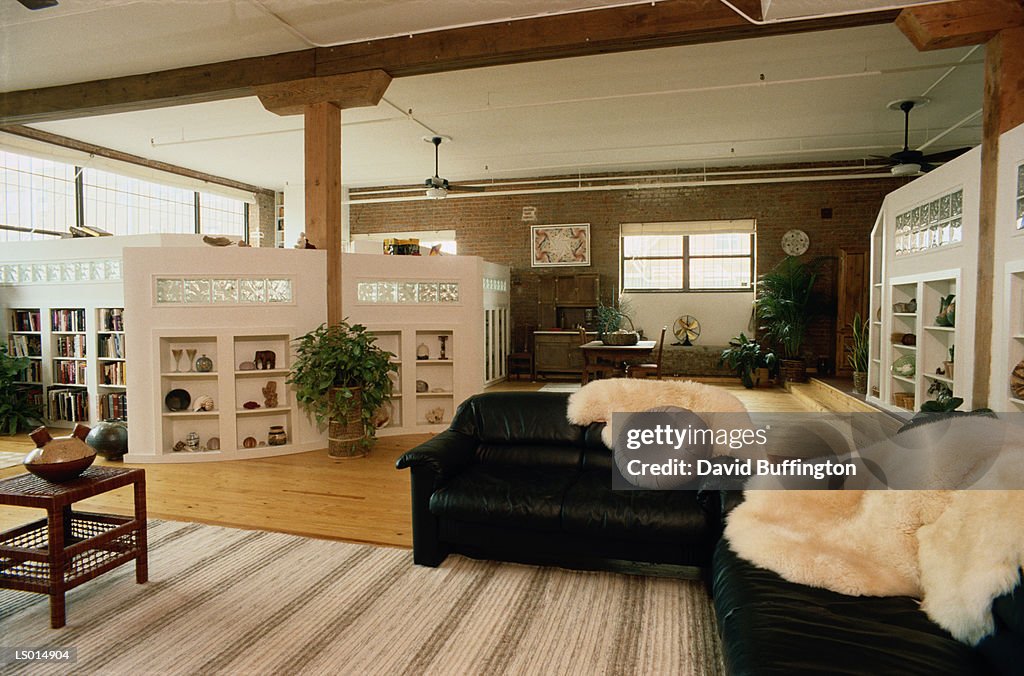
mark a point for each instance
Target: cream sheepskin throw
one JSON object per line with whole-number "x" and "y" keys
{"x": 956, "y": 550}
{"x": 598, "y": 400}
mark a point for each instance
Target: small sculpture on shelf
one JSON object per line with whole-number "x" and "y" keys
{"x": 422, "y": 386}
{"x": 442, "y": 340}
{"x": 213, "y": 443}
{"x": 422, "y": 351}
{"x": 192, "y": 442}
{"x": 249, "y": 442}
{"x": 270, "y": 394}
{"x": 251, "y": 405}
{"x": 947, "y": 311}
{"x": 265, "y": 360}
{"x": 435, "y": 415}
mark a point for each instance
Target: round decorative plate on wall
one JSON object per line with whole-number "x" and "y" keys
{"x": 795, "y": 243}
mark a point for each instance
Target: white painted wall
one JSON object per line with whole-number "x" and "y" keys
{"x": 721, "y": 315}
{"x": 294, "y": 212}
{"x": 1007, "y": 307}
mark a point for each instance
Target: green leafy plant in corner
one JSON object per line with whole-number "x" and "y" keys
{"x": 17, "y": 412}
{"x": 744, "y": 356}
{"x": 331, "y": 362}
{"x": 785, "y": 303}
{"x": 858, "y": 351}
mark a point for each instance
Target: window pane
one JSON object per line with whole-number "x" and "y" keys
{"x": 221, "y": 215}
{"x": 122, "y": 205}
{"x": 35, "y": 193}
{"x": 723, "y": 244}
{"x": 652, "y": 274}
{"x": 720, "y": 273}
{"x": 652, "y": 245}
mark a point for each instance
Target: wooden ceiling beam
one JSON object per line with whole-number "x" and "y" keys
{"x": 349, "y": 90}
{"x": 958, "y": 24}
{"x": 616, "y": 29}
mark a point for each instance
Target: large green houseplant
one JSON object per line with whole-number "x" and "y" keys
{"x": 746, "y": 357}
{"x": 342, "y": 377}
{"x": 784, "y": 306}
{"x": 17, "y": 412}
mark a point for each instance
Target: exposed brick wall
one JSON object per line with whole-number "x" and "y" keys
{"x": 261, "y": 217}
{"x": 492, "y": 227}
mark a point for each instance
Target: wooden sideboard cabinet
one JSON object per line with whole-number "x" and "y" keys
{"x": 565, "y": 291}
{"x": 557, "y": 352}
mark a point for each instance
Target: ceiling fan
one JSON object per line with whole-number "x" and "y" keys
{"x": 909, "y": 162}
{"x": 38, "y": 4}
{"x": 437, "y": 187}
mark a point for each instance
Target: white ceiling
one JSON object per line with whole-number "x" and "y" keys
{"x": 811, "y": 97}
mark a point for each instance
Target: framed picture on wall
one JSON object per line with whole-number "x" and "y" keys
{"x": 560, "y": 245}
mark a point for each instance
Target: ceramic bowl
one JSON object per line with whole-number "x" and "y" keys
{"x": 59, "y": 472}
{"x": 178, "y": 400}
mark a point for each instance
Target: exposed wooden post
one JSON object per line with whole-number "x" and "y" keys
{"x": 1003, "y": 109}
{"x": 323, "y": 194}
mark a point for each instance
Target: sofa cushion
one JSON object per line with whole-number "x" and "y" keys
{"x": 524, "y": 497}
{"x": 591, "y": 506}
{"x": 510, "y": 417}
{"x": 771, "y": 626}
{"x": 530, "y": 455}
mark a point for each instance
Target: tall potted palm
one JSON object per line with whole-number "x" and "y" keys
{"x": 341, "y": 377}
{"x": 784, "y": 308}
{"x": 858, "y": 354}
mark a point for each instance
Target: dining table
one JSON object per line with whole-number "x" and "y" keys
{"x": 598, "y": 357}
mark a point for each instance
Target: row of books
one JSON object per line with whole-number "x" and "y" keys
{"x": 70, "y": 346}
{"x": 111, "y": 319}
{"x": 24, "y": 346}
{"x": 70, "y": 405}
{"x": 112, "y": 346}
{"x": 32, "y": 374}
{"x": 112, "y": 373}
{"x": 67, "y": 320}
{"x": 114, "y": 406}
{"x": 69, "y": 372}
{"x": 25, "y": 320}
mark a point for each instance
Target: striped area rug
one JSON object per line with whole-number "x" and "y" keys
{"x": 230, "y": 601}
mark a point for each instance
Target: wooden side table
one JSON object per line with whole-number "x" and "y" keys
{"x": 60, "y": 552}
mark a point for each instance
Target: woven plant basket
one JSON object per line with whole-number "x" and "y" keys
{"x": 625, "y": 339}
{"x": 344, "y": 437}
{"x": 793, "y": 370}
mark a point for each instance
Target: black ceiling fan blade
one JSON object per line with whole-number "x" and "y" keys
{"x": 946, "y": 155}
{"x": 38, "y": 4}
{"x": 925, "y": 167}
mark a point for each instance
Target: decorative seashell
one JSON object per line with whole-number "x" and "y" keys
{"x": 249, "y": 442}
{"x": 1017, "y": 380}
{"x": 213, "y": 444}
{"x": 422, "y": 386}
{"x": 247, "y": 366}
{"x": 203, "y": 402}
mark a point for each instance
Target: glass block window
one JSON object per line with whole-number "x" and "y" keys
{"x": 221, "y": 215}
{"x": 936, "y": 223}
{"x": 1020, "y": 197}
{"x": 388, "y": 292}
{"x": 35, "y": 194}
{"x": 122, "y": 205}
{"x": 491, "y": 284}
{"x": 68, "y": 272}
{"x": 223, "y": 291}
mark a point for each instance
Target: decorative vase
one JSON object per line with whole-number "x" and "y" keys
{"x": 344, "y": 436}
{"x": 860, "y": 382}
{"x": 62, "y": 458}
{"x": 277, "y": 436}
{"x": 204, "y": 364}
{"x": 422, "y": 351}
{"x": 947, "y": 369}
{"x": 109, "y": 439}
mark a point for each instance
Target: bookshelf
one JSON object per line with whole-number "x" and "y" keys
{"x": 111, "y": 364}
{"x": 68, "y": 395}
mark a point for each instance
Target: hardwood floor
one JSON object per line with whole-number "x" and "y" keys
{"x": 364, "y": 500}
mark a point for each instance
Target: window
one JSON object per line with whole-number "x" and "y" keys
{"x": 221, "y": 215}
{"x": 37, "y": 198}
{"x": 122, "y": 205}
{"x": 716, "y": 256}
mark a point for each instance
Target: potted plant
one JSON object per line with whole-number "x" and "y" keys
{"x": 857, "y": 355}
{"x": 342, "y": 377}
{"x": 17, "y": 412}
{"x": 748, "y": 359}
{"x": 784, "y": 306}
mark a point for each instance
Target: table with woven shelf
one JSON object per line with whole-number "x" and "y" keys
{"x": 67, "y": 548}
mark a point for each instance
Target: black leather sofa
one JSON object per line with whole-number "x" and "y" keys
{"x": 511, "y": 479}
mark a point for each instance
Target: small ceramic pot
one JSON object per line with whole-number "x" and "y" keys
{"x": 204, "y": 364}
{"x": 277, "y": 436}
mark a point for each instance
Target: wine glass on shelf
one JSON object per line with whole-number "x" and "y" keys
{"x": 191, "y": 354}
{"x": 176, "y": 353}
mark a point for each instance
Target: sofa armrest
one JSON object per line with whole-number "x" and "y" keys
{"x": 445, "y": 455}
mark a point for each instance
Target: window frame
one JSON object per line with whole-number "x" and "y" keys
{"x": 686, "y": 258}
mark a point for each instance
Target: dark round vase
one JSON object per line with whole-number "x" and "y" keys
{"x": 110, "y": 439}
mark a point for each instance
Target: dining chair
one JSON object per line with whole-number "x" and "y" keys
{"x": 648, "y": 370}
{"x": 520, "y": 359}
